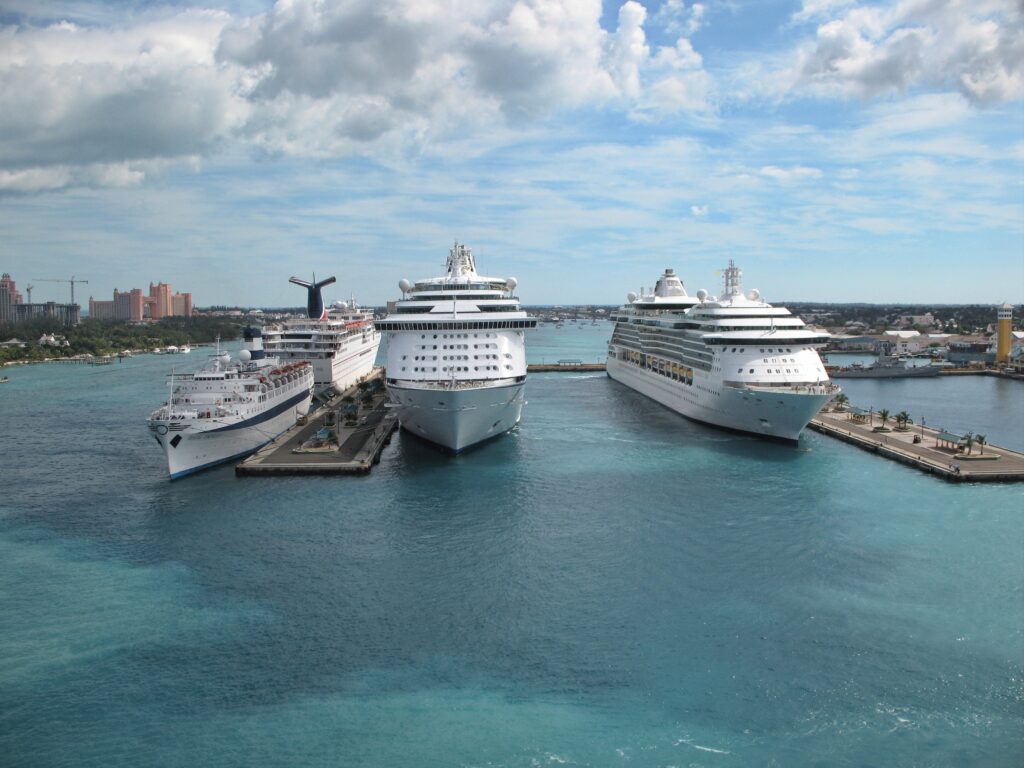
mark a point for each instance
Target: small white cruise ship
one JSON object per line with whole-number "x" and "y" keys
{"x": 456, "y": 355}
{"x": 733, "y": 361}
{"x": 340, "y": 341}
{"x": 230, "y": 408}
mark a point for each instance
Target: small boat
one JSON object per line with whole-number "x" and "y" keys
{"x": 4, "y": 379}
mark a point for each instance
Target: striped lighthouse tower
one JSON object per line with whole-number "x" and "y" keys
{"x": 1004, "y": 325}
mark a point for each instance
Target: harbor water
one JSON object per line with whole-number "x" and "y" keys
{"x": 608, "y": 585}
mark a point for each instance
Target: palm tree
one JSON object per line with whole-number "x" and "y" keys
{"x": 969, "y": 441}
{"x": 981, "y": 442}
{"x": 902, "y": 418}
{"x": 884, "y": 416}
{"x": 841, "y": 400}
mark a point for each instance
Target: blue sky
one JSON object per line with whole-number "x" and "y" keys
{"x": 838, "y": 150}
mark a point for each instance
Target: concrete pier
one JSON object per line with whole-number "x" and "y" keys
{"x": 565, "y": 367}
{"x": 988, "y": 463}
{"x": 355, "y": 451}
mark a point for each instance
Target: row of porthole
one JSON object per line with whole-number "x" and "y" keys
{"x": 455, "y": 357}
{"x": 462, "y": 335}
{"x": 769, "y": 350}
{"x": 425, "y": 369}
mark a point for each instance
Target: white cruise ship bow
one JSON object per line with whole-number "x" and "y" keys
{"x": 456, "y": 358}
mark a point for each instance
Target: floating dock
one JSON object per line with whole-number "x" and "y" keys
{"x": 933, "y": 451}
{"x": 355, "y": 450}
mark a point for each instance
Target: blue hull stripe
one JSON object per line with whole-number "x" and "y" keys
{"x": 266, "y": 415}
{"x": 241, "y": 455}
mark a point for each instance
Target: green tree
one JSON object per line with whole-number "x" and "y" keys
{"x": 884, "y": 416}
{"x": 981, "y": 443}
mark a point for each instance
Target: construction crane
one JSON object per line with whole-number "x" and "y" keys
{"x": 72, "y": 281}
{"x": 28, "y": 290}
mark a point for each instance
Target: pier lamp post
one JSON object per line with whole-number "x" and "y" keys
{"x": 922, "y": 429}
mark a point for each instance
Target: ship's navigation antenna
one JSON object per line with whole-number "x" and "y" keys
{"x": 732, "y": 279}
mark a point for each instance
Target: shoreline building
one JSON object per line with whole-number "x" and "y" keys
{"x": 10, "y": 298}
{"x": 67, "y": 314}
{"x": 13, "y": 308}
{"x": 126, "y": 305}
{"x": 134, "y": 306}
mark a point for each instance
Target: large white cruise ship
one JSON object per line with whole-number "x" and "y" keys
{"x": 230, "y": 408}
{"x": 734, "y": 361}
{"x": 456, "y": 356}
{"x": 340, "y": 341}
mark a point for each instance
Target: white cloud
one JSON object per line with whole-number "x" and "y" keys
{"x": 820, "y": 9}
{"x": 387, "y": 78}
{"x": 678, "y": 18}
{"x": 629, "y": 49}
{"x": 973, "y": 46}
{"x": 792, "y": 174}
{"x": 699, "y": 210}
{"x": 76, "y": 97}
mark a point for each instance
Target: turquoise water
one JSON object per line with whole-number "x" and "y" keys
{"x": 608, "y": 585}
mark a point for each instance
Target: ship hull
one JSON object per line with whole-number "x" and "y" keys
{"x": 461, "y": 418}
{"x": 775, "y": 414}
{"x": 920, "y": 372}
{"x": 201, "y": 447}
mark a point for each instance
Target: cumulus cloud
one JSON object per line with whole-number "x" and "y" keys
{"x": 678, "y": 18}
{"x": 973, "y": 46}
{"x": 319, "y": 78}
{"x": 819, "y": 9}
{"x": 74, "y": 100}
{"x": 699, "y": 211}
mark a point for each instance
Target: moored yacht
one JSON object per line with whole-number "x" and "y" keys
{"x": 456, "y": 356}
{"x": 733, "y": 361}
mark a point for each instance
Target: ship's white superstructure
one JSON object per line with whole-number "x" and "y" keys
{"x": 340, "y": 341}
{"x": 229, "y": 409}
{"x": 456, "y": 355}
{"x": 734, "y": 361}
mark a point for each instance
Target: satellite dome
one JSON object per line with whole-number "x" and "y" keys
{"x": 511, "y": 283}
{"x": 404, "y": 285}
{"x": 631, "y": 297}
{"x": 702, "y": 294}
{"x": 244, "y": 355}
{"x": 754, "y": 294}
{"x": 342, "y": 305}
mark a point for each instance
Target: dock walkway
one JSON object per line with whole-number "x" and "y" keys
{"x": 359, "y": 447}
{"x": 988, "y": 463}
